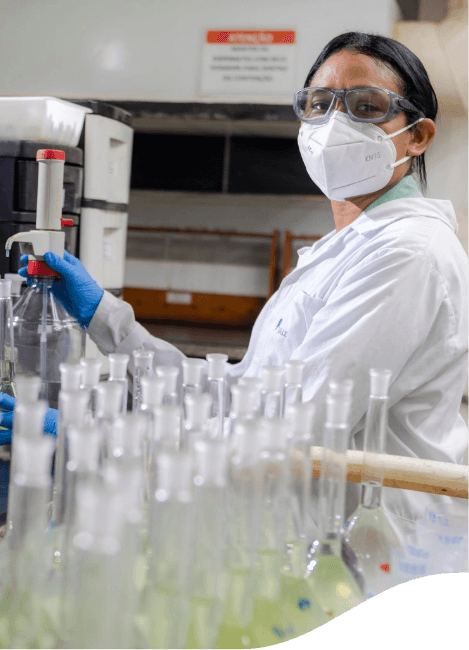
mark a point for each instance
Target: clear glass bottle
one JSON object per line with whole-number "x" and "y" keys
{"x": 28, "y": 389}
{"x": 369, "y": 532}
{"x": 255, "y": 384}
{"x": 267, "y": 622}
{"x": 152, "y": 398}
{"x": 91, "y": 369}
{"x": 333, "y": 571}
{"x": 143, "y": 367}
{"x": 45, "y": 336}
{"x": 70, "y": 376}
{"x": 244, "y": 406}
{"x": 300, "y": 420}
{"x": 28, "y": 424}
{"x": 166, "y": 437}
{"x": 28, "y": 544}
{"x": 197, "y": 422}
{"x": 118, "y": 374}
{"x": 293, "y": 388}
{"x": 271, "y": 395}
{"x": 243, "y": 497}
{"x": 207, "y": 580}
{"x": 125, "y": 452}
{"x": 109, "y": 407}
{"x": 191, "y": 378}
{"x": 217, "y": 389}
{"x": 170, "y": 375}
{"x": 167, "y": 431}
{"x": 300, "y": 607}
{"x": 124, "y": 471}
{"x": 7, "y": 341}
{"x": 95, "y": 571}
{"x": 81, "y": 469}
{"x": 72, "y": 411}
{"x": 171, "y": 532}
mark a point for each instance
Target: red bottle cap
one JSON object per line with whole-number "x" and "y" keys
{"x": 35, "y": 267}
{"x": 50, "y": 154}
{"x": 66, "y": 223}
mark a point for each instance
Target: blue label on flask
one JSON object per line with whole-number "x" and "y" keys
{"x": 303, "y": 603}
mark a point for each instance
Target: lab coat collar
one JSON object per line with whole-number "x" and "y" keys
{"x": 385, "y": 214}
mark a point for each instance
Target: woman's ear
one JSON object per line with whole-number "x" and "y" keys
{"x": 421, "y": 136}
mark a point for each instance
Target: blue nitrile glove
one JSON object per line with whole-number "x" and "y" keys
{"x": 78, "y": 292}
{"x": 7, "y": 403}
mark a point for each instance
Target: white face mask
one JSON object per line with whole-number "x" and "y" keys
{"x": 346, "y": 158}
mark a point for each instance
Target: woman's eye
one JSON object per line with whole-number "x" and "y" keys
{"x": 320, "y": 106}
{"x": 367, "y": 108}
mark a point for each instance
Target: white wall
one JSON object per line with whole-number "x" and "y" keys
{"x": 151, "y": 49}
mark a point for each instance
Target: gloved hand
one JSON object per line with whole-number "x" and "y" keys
{"x": 78, "y": 292}
{"x": 7, "y": 403}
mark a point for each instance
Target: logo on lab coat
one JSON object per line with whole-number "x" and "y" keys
{"x": 279, "y": 329}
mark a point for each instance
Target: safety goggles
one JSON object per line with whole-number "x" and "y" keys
{"x": 367, "y": 104}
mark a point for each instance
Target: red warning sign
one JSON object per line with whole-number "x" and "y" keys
{"x": 249, "y": 62}
{"x": 251, "y": 37}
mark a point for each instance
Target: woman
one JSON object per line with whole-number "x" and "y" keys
{"x": 387, "y": 288}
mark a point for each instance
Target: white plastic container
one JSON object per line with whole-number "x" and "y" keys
{"x": 43, "y": 119}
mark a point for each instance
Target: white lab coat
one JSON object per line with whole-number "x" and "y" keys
{"x": 390, "y": 290}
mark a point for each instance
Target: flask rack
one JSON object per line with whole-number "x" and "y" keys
{"x": 405, "y": 473}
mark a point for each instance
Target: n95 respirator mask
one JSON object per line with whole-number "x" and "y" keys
{"x": 346, "y": 158}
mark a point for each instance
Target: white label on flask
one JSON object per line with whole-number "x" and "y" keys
{"x": 108, "y": 251}
{"x": 178, "y": 298}
{"x": 113, "y": 168}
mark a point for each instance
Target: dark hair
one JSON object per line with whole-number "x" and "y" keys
{"x": 413, "y": 79}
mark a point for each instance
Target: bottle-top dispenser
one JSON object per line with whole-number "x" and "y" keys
{"x": 96, "y": 187}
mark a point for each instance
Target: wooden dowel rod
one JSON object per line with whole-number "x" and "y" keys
{"x": 406, "y": 473}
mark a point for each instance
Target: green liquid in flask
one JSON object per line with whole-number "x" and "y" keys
{"x": 204, "y": 622}
{"x": 235, "y": 629}
{"x": 165, "y": 620}
{"x": 334, "y": 585}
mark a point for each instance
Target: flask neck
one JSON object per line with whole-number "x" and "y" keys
{"x": 333, "y": 483}
{"x": 374, "y": 446}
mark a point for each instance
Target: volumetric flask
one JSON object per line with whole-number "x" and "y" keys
{"x": 45, "y": 336}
